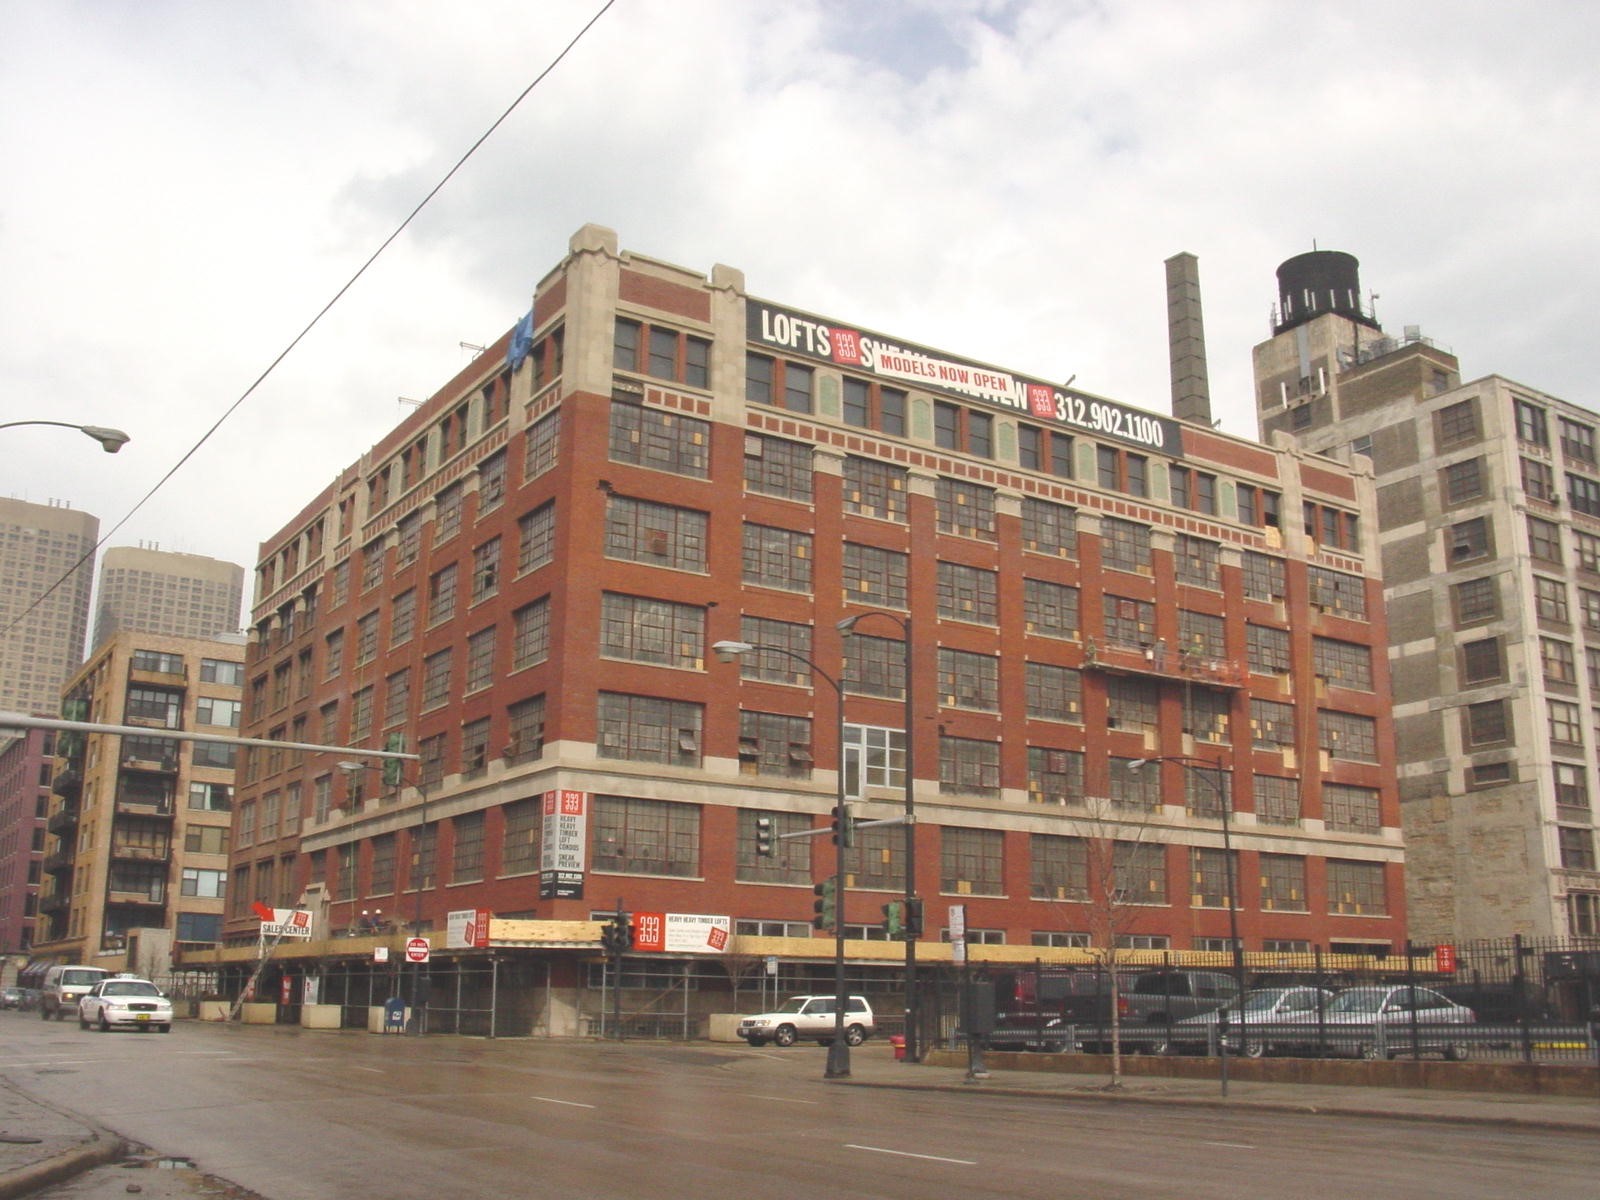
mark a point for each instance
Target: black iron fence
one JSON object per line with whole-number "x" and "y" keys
{"x": 1516, "y": 998}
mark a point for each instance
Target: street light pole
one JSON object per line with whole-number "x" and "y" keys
{"x": 846, "y": 626}
{"x": 1199, "y": 768}
{"x": 839, "y": 1050}
{"x": 111, "y": 440}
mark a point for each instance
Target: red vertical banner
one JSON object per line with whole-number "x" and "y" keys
{"x": 1444, "y": 959}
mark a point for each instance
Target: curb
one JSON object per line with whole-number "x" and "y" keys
{"x": 1279, "y": 1106}
{"x": 102, "y": 1150}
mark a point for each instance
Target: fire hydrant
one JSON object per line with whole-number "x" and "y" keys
{"x": 898, "y": 1041}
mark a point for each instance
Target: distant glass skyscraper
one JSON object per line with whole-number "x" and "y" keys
{"x": 144, "y": 590}
{"x": 46, "y": 571}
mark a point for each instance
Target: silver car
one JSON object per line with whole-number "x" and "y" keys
{"x": 1378, "y": 1022}
{"x": 1265, "y": 1007}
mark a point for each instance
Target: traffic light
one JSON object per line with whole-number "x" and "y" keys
{"x": 763, "y": 837}
{"x": 394, "y": 768}
{"x": 844, "y": 827}
{"x": 825, "y": 908}
{"x": 913, "y": 919}
{"x": 617, "y": 934}
{"x": 894, "y": 924}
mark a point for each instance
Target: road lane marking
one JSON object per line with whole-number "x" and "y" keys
{"x": 1230, "y": 1145}
{"x": 374, "y": 1070}
{"x": 780, "y": 1099}
{"x": 960, "y": 1162}
{"x": 567, "y": 1103}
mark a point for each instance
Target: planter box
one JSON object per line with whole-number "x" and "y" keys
{"x": 723, "y": 1027}
{"x": 259, "y": 1013}
{"x": 212, "y": 1010}
{"x": 320, "y": 1016}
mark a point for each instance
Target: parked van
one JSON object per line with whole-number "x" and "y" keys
{"x": 64, "y": 985}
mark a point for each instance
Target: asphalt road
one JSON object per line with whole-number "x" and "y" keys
{"x": 315, "y": 1116}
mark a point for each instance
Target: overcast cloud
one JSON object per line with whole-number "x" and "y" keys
{"x": 187, "y": 183}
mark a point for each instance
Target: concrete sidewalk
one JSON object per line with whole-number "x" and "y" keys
{"x": 41, "y": 1145}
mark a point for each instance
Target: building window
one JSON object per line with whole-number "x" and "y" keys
{"x": 1583, "y": 914}
{"x": 874, "y": 577}
{"x": 1538, "y": 480}
{"x": 1193, "y": 489}
{"x": 874, "y": 757}
{"x": 1550, "y": 599}
{"x": 967, "y": 593}
{"x": 1532, "y": 426}
{"x": 1119, "y": 471}
{"x": 1557, "y": 661}
{"x": 649, "y": 729}
{"x": 1572, "y": 788}
{"x": 968, "y": 766}
{"x": 1462, "y": 481}
{"x": 1565, "y": 725}
{"x": 1199, "y": 562}
{"x": 646, "y": 837}
{"x": 486, "y": 570}
{"x": 466, "y": 864}
{"x": 1577, "y": 441}
{"x": 1054, "y": 776}
{"x": 1059, "y": 867}
{"x": 968, "y": 680}
{"x": 1283, "y": 883}
{"x": 1271, "y": 725}
{"x": 1139, "y": 870}
{"x": 874, "y": 666}
{"x": 1481, "y": 661}
{"x": 397, "y": 698}
{"x": 972, "y": 861}
{"x": 1357, "y": 888}
{"x": 770, "y": 639}
{"x": 1054, "y": 693}
{"x": 659, "y": 439}
{"x": 1047, "y": 451}
{"x": 875, "y": 489}
{"x": 366, "y": 650}
{"x": 1347, "y": 736}
{"x": 1050, "y": 609}
{"x": 1277, "y": 800}
{"x": 1132, "y": 704}
{"x": 1264, "y": 576}
{"x": 1258, "y": 506}
{"x": 447, "y": 514}
{"x": 880, "y": 859}
{"x": 774, "y": 744}
{"x": 1124, "y": 545}
{"x": 1267, "y": 649}
{"x": 1211, "y": 871}
{"x": 1458, "y": 423}
{"x": 775, "y": 467}
{"x": 965, "y": 509}
{"x": 790, "y": 860}
{"x": 1128, "y": 622}
{"x": 541, "y": 450}
{"x": 798, "y": 384}
{"x": 759, "y": 370}
{"x": 1345, "y": 664}
{"x": 422, "y": 870}
{"x": 211, "y": 711}
{"x": 1469, "y": 540}
{"x": 1332, "y": 527}
{"x": 1200, "y": 636}
{"x": 536, "y": 538}
{"x": 480, "y": 659}
{"x": 1049, "y": 528}
{"x": 360, "y": 716}
{"x": 519, "y": 837}
{"x": 1487, "y": 723}
{"x": 1337, "y": 592}
{"x": 442, "y": 595}
{"x": 381, "y": 881}
{"x": 777, "y": 558}
{"x": 530, "y": 634}
{"x": 491, "y": 483}
{"x": 1350, "y": 809}
{"x": 1138, "y": 790}
{"x": 525, "y": 730}
{"x": 1583, "y": 494}
{"x": 1476, "y": 600}
{"x": 436, "y": 680}
{"x": 654, "y": 631}
{"x": 657, "y": 534}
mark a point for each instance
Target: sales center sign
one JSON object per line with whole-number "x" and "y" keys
{"x": 565, "y": 840}
{"x": 810, "y": 337}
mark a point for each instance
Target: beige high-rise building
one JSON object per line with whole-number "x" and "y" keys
{"x": 136, "y": 858}
{"x": 1489, "y": 531}
{"x": 46, "y": 572}
{"x": 145, "y": 590}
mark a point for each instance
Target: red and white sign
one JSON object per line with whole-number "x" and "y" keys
{"x": 418, "y": 950}
{"x": 1444, "y": 959}
{"x": 285, "y": 922}
{"x": 286, "y": 990}
{"x": 466, "y": 928}
{"x": 565, "y": 840}
{"x": 681, "y": 933}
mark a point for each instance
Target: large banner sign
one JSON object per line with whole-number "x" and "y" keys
{"x": 681, "y": 933}
{"x": 565, "y": 842}
{"x": 812, "y": 337}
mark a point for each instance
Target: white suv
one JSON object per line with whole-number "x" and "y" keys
{"x": 809, "y": 1017}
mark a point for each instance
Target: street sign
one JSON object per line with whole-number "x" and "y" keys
{"x": 1444, "y": 959}
{"x": 286, "y": 923}
{"x": 418, "y": 950}
{"x": 466, "y": 927}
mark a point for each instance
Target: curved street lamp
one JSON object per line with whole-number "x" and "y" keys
{"x": 111, "y": 440}
{"x": 839, "y": 1051}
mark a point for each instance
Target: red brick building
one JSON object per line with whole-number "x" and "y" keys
{"x": 525, "y": 580}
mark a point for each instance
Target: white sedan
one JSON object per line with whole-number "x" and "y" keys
{"x": 125, "y": 1001}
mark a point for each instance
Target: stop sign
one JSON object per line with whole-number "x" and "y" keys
{"x": 418, "y": 949}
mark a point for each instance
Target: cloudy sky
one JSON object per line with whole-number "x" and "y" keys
{"x": 185, "y": 185}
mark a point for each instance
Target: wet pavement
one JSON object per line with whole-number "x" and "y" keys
{"x": 47, "y": 1151}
